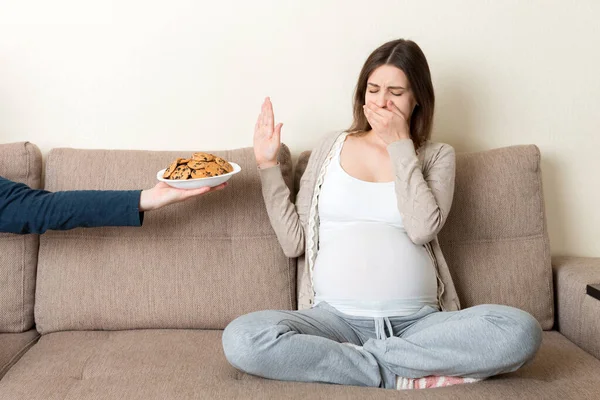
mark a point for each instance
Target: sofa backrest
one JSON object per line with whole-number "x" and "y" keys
{"x": 198, "y": 264}
{"x": 20, "y": 162}
{"x": 495, "y": 239}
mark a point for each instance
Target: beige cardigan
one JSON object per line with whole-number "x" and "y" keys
{"x": 424, "y": 189}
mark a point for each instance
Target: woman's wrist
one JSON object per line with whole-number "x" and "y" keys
{"x": 266, "y": 164}
{"x": 402, "y": 136}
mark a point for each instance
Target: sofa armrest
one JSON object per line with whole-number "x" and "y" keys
{"x": 578, "y": 314}
{"x": 13, "y": 346}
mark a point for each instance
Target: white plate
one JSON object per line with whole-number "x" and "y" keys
{"x": 198, "y": 182}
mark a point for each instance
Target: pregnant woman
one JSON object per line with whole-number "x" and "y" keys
{"x": 378, "y": 305}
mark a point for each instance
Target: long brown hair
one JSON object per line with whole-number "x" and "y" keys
{"x": 407, "y": 56}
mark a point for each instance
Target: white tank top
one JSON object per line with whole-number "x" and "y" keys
{"x": 366, "y": 264}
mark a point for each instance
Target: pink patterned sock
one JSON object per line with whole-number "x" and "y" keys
{"x": 431, "y": 381}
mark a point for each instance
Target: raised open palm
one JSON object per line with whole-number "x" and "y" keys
{"x": 267, "y": 137}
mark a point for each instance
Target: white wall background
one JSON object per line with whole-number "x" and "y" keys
{"x": 187, "y": 75}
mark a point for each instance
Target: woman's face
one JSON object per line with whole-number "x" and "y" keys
{"x": 390, "y": 83}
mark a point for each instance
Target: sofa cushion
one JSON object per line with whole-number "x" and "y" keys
{"x": 13, "y": 346}
{"x": 160, "y": 364}
{"x": 20, "y": 162}
{"x": 197, "y": 264}
{"x": 495, "y": 240}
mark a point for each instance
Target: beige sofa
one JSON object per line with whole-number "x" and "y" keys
{"x": 137, "y": 313}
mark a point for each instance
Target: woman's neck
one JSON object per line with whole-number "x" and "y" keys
{"x": 375, "y": 139}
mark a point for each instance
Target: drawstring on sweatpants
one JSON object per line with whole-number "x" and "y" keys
{"x": 380, "y": 324}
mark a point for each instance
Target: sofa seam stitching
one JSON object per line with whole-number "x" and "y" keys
{"x": 24, "y": 249}
{"x": 529, "y": 237}
{"x": 6, "y": 367}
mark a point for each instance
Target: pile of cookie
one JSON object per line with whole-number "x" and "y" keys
{"x": 201, "y": 165}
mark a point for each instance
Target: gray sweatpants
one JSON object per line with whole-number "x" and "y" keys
{"x": 312, "y": 345}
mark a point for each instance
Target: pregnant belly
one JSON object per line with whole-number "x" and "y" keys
{"x": 374, "y": 262}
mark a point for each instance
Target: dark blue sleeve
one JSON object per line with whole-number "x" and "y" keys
{"x": 25, "y": 210}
